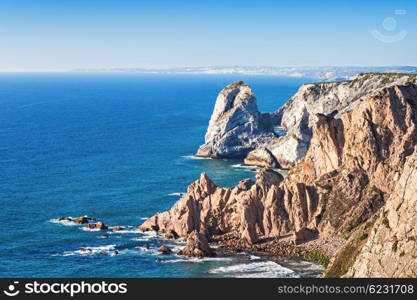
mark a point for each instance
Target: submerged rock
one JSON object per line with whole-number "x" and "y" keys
{"x": 171, "y": 234}
{"x": 98, "y": 225}
{"x": 197, "y": 246}
{"x": 117, "y": 228}
{"x": 236, "y": 126}
{"x": 79, "y": 220}
{"x": 164, "y": 250}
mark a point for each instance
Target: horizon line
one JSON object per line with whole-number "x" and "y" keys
{"x": 184, "y": 68}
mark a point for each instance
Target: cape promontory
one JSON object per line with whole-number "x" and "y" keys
{"x": 350, "y": 198}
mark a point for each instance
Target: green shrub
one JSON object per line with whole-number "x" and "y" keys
{"x": 317, "y": 257}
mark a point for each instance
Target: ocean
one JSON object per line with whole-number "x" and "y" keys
{"x": 116, "y": 147}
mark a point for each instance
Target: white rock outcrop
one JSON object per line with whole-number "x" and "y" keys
{"x": 236, "y": 125}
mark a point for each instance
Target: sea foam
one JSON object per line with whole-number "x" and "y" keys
{"x": 195, "y": 157}
{"x": 107, "y": 249}
{"x": 265, "y": 269}
{"x": 63, "y": 222}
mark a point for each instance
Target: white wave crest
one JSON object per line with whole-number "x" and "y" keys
{"x": 196, "y": 259}
{"x": 108, "y": 250}
{"x": 176, "y": 194}
{"x": 85, "y": 228}
{"x": 246, "y": 168}
{"x": 195, "y": 157}
{"x": 63, "y": 222}
{"x": 127, "y": 229}
{"x": 145, "y": 236}
{"x": 266, "y": 269}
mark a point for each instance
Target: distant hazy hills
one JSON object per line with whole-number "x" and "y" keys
{"x": 324, "y": 73}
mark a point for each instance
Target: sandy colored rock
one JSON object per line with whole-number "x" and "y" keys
{"x": 164, "y": 250}
{"x": 356, "y": 174}
{"x": 331, "y": 99}
{"x": 304, "y": 235}
{"x": 98, "y": 225}
{"x": 391, "y": 246}
{"x": 218, "y": 210}
{"x": 118, "y": 228}
{"x": 197, "y": 246}
{"x": 79, "y": 220}
{"x": 171, "y": 234}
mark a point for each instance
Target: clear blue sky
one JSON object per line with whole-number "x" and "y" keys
{"x": 62, "y": 35}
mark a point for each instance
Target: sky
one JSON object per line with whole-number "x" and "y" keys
{"x": 46, "y": 35}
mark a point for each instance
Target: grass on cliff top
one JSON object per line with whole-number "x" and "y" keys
{"x": 390, "y": 74}
{"x": 365, "y": 76}
{"x": 236, "y": 84}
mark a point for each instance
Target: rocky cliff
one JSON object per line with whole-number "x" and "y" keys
{"x": 356, "y": 182}
{"x": 236, "y": 125}
{"x": 390, "y": 247}
{"x": 328, "y": 98}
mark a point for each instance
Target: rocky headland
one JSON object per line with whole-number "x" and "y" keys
{"x": 349, "y": 199}
{"x": 236, "y": 126}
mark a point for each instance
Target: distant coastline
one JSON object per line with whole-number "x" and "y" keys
{"x": 320, "y": 72}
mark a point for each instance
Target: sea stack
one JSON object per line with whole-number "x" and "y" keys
{"x": 236, "y": 126}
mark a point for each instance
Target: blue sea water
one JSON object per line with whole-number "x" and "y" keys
{"x": 115, "y": 147}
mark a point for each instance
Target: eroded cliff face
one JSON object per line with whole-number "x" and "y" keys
{"x": 391, "y": 245}
{"x": 236, "y": 126}
{"x": 297, "y": 116}
{"x": 354, "y": 177}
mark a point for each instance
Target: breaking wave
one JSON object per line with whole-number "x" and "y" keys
{"x": 264, "y": 269}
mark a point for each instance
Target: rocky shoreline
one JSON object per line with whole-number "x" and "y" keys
{"x": 348, "y": 199}
{"x": 317, "y": 251}
{"x": 268, "y": 253}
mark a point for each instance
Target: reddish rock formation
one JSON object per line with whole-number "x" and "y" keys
{"x": 218, "y": 210}
{"x": 79, "y": 220}
{"x": 354, "y": 165}
{"x": 171, "y": 235}
{"x": 98, "y": 225}
{"x": 117, "y": 228}
{"x": 390, "y": 246}
{"x": 164, "y": 250}
{"x": 197, "y": 246}
{"x": 304, "y": 235}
